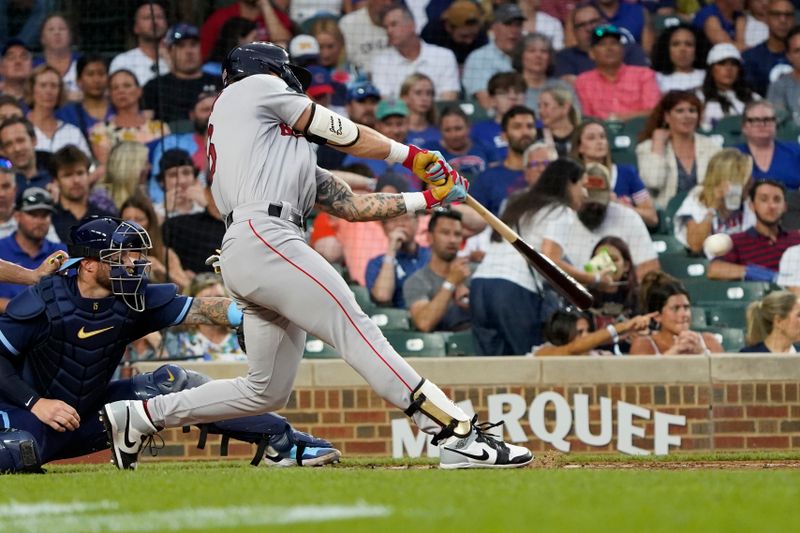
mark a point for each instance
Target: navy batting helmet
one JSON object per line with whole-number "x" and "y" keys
{"x": 106, "y": 239}
{"x": 263, "y": 58}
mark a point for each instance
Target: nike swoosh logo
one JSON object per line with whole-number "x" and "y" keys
{"x": 482, "y": 457}
{"x": 126, "y": 437}
{"x": 171, "y": 377}
{"x": 28, "y": 403}
{"x": 82, "y": 334}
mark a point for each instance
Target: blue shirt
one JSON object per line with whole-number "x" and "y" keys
{"x": 404, "y": 266}
{"x": 184, "y": 141}
{"x": 783, "y": 167}
{"x": 495, "y": 185}
{"x": 74, "y": 113}
{"x": 488, "y": 135}
{"x": 758, "y": 62}
{"x": 628, "y": 16}
{"x": 424, "y": 138}
{"x": 469, "y": 165}
{"x": 712, "y": 10}
{"x": 11, "y": 251}
{"x": 629, "y": 183}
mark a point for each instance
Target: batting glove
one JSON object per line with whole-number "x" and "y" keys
{"x": 455, "y": 189}
{"x": 213, "y": 261}
{"x": 430, "y": 167}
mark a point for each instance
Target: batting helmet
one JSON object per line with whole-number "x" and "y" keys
{"x": 263, "y": 58}
{"x": 107, "y": 239}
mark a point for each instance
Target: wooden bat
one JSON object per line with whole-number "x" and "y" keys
{"x": 565, "y": 284}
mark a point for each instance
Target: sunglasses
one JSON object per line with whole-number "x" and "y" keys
{"x": 6, "y": 163}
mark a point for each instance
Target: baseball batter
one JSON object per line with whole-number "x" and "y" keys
{"x": 265, "y": 180}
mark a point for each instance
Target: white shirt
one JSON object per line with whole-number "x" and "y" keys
{"x": 789, "y": 270}
{"x": 621, "y": 221}
{"x": 362, "y": 38}
{"x": 65, "y": 134}
{"x": 680, "y": 81}
{"x": 550, "y": 26}
{"x": 712, "y": 111}
{"x": 755, "y": 31}
{"x": 389, "y": 70}
{"x": 140, "y": 64}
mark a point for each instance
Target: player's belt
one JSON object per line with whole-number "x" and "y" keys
{"x": 284, "y": 211}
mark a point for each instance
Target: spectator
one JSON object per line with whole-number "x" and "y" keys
{"x": 533, "y": 58}
{"x": 437, "y": 295}
{"x": 94, "y": 107}
{"x": 537, "y": 21}
{"x": 364, "y": 33}
{"x": 165, "y": 266}
{"x": 386, "y": 273}
{"x": 44, "y": 93}
{"x": 495, "y": 56}
{"x": 321, "y": 89}
{"x": 619, "y": 299}
{"x": 235, "y": 31}
{"x": 784, "y": 93}
{"x": 8, "y": 195}
{"x": 331, "y": 53}
{"x": 672, "y": 156}
{"x": 633, "y": 18}
{"x": 15, "y": 68}
{"x": 362, "y": 99}
{"x": 126, "y": 171}
{"x": 773, "y": 324}
{"x": 183, "y": 193}
{"x": 756, "y": 30}
{"x": 468, "y": 158}
{"x": 128, "y": 123}
{"x": 789, "y": 274}
{"x": 505, "y": 90}
{"x": 757, "y": 251}
{"x": 559, "y": 117}
{"x": 773, "y": 159}
{"x": 717, "y": 21}
{"x": 599, "y": 217}
{"x": 495, "y": 185}
{"x": 28, "y": 245}
{"x": 536, "y": 158}
{"x": 171, "y": 96}
{"x": 613, "y": 89}
{"x": 33, "y": 13}
{"x": 9, "y": 107}
{"x": 590, "y": 145}
{"x": 575, "y": 60}
{"x": 716, "y": 205}
{"x": 417, "y": 92}
{"x": 509, "y": 301}
{"x": 764, "y": 63}
{"x": 666, "y": 296}
{"x": 18, "y": 139}
{"x": 724, "y": 90}
{"x": 148, "y": 59}
{"x": 569, "y": 332}
{"x": 273, "y": 24}
{"x": 56, "y": 40}
{"x": 679, "y": 59}
{"x": 408, "y": 54}
{"x": 460, "y": 29}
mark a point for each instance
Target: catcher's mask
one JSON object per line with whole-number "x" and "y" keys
{"x": 123, "y": 245}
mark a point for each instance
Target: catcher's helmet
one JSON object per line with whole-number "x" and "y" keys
{"x": 107, "y": 239}
{"x": 263, "y": 58}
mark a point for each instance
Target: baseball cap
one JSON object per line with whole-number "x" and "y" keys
{"x": 508, "y": 13}
{"x": 721, "y": 52}
{"x": 35, "y": 198}
{"x": 606, "y": 30}
{"x": 321, "y": 82}
{"x": 181, "y": 31}
{"x": 303, "y": 47}
{"x": 361, "y": 90}
{"x": 463, "y": 13}
{"x": 597, "y": 184}
{"x": 6, "y": 165}
{"x": 14, "y": 42}
{"x": 391, "y": 108}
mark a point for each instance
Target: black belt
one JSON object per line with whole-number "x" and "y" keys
{"x": 275, "y": 210}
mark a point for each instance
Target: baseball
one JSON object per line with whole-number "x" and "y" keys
{"x": 717, "y": 244}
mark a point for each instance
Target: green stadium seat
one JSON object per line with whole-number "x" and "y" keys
{"x": 727, "y": 317}
{"x": 708, "y": 293}
{"x": 730, "y": 128}
{"x": 316, "y": 349}
{"x": 683, "y": 267}
{"x": 391, "y": 318}
{"x": 362, "y": 298}
{"x": 415, "y": 344}
{"x": 732, "y": 339}
{"x": 460, "y": 343}
{"x": 668, "y": 245}
{"x": 699, "y": 320}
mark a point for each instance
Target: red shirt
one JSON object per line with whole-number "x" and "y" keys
{"x": 634, "y": 89}
{"x": 750, "y": 247}
{"x": 212, "y": 27}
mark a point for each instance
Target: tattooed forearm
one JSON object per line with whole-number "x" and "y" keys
{"x": 208, "y": 310}
{"x": 336, "y": 198}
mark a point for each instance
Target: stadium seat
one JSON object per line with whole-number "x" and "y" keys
{"x": 668, "y": 245}
{"x": 672, "y": 207}
{"x": 683, "y": 267}
{"x": 460, "y": 343}
{"x": 732, "y": 339}
{"x": 727, "y": 317}
{"x": 730, "y": 128}
{"x": 362, "y": 297}
{"x": 391, "y": 318}
{"x": 699, "y": 320}
{"x": 708, "y": 293}
{"x": 415, "y": 344}
{"x": 316, "y": 349}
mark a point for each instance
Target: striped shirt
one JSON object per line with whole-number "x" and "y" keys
{"x": 751, "y": 247}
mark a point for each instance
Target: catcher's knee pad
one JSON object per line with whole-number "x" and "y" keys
{"x": 165, "y": 380}
{"x": 19, "y": 452}
{"x": 429, "y": 400}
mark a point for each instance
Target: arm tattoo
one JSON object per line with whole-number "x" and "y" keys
{"x": 208, "y": 310}
{"x": 336, "y": 198}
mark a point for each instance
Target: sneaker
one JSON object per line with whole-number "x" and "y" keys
{"x": 129, "y": 428}
{"x": 479, "y": 449}
{"x": 311, "y": 456}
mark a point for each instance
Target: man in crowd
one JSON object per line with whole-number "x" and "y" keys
{"x": 633, "y": 18}
{"x": 460, "y": 29}
{"x": 15, "y": 68}
{"x": 764, "y": 63}
{"x": 18, "y": 140}
{"x": 784, "y": 93}
{"x": 183, "y": 192}
{"x": 364, "y": 34}
{"x": 437, "y": 295}
{"x": 756, "y": 252}
{"x": 272, "y": 24}
{"x": 173, "y": 95}
{"x": 148, "y": 59}
{"x": 506, "y": 90}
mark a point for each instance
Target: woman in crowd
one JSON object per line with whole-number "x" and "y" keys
{"x": 559, "y": 116}
{"x": 126, "y": 171}
{"x": 679, "y": 58}
{"x": 165, "y": 265}
{"x": 44, "y": 93}
{"x": 417, "y": 92}
{"x": 618, "y": 300}
{"x": 235, "y": 31}
{"x": 331, "y": 48}
{"x": 724, "y": 90}
{"x": 672, "y": 156}
{"x": 773, "y": 324}
{"x": 569, "y": 332}
{"x": 533, "y": 57}
{"x": 466, "y": 157}
{"x": 667, "y": 297}
{"x": 536, "y": 158}
{"x": 94, "y": 106}
{"x": 590, "y": 145}
{"x": 772, "y": 158}
{"x": 56, "y": 40}
{"x": 716, "y": 205}
{"x": 128, "y": 123}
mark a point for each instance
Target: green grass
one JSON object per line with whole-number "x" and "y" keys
{"x": 409, "y": 496}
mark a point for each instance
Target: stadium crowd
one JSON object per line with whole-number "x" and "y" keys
{"x": 616, "y": 136}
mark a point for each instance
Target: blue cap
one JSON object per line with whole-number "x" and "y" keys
{"x": 361, "y": 90}
{"x": 181, "y": 31}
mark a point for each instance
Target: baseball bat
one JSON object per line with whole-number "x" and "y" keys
{"x": 562, "y": 282}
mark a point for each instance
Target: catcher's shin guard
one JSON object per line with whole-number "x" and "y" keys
{"x": 19, "y": 452}
{"x": 429, "y": 399}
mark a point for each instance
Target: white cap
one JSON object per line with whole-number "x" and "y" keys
{"x": 303, "y": 46}
{"x": 721, "y": 52}
{"x": 789, "y": 273}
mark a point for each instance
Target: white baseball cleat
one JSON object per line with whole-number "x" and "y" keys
{"x": 479, "y": 449}
{"x": 129, "y": 428}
